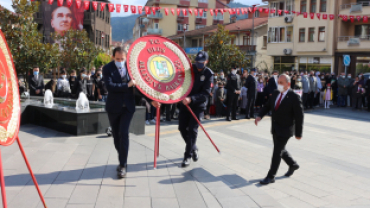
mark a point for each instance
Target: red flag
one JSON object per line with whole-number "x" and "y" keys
{"x": 358, "y": 17}
{"x": 318, "y": 15}
{"x": 118, "y": 8}
{"x": 166, "y": 11}
{"x": 147, "y": 10}
{"x": 267, "y": 10}
{"x": 190, "y": 11}
{"x": 238, "y": 11}
{"x": 173, "y": 11}
{"x": 254, "y": 9}
{"x": 51, "y": 2}
{"x": 365, "y": 19}
{"x": 126, "y": 8}
{"x": 195, "y": 12}
{"x": 86, "y": 5}
{"x": 201, "y": 12}
{"x": 133, "y": 9}
{"x": 69, "y": 3}
{"x": 261, "y": 9}
{"x": 111, "y": 7}
{"x": 140, "y": 9}
{"x": 345, "y": 18}
{"x": 286, "y": 11}
{"x": 222, "y": 11}
{"x": 352, "y": 18}
{"x": 324, "y": 16}
{"x": 95, "y": 5}
{"x": 153, "y": 10}
{"x": 272, "y": 11}
{"x": 60, "y": 2}
{"x": 225, "y": 10}
{"x": 242, "y": 11}
{"x": 312, "y": 15}
{"x": 102, "y": 6}
{"x": 293, "y": 12}
{"x": 211, "y": 11}
{"x": 279, "y": 12}
{"x": 331, "y": 16}
{"x": 250, "y": 9}
{"x": 230, "y": 11}
{"x": 298, "y": 13}
{"x": 184, "y": 11}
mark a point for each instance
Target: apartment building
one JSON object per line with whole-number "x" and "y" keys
{"x": 160, "y": 24}
{"x": 353, "y": 38}
{"x": 302, "y": 43}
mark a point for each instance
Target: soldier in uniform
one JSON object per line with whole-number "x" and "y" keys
{"x": 233, "y": 86}
{"x": 197, "y": 101}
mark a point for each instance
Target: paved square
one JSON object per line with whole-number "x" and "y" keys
{"x": 79, "y": 172}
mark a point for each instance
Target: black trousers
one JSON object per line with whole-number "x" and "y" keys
{"x": 250, "y": 105}
{"x": 188, "y": 128}
{"x": 305, "y": 100}
{"x": 278, "y": 153}
{"x": 170, "y": 111}
{"x": 317, "y": 99}
{"x": 311, "y": 98}
{"x": 120, "y": 123}
{"x": 368, "y": 102}
{"x": 232, "y": 104}
{"x": 208, "y": 107}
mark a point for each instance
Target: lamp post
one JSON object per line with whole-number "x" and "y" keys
{"x": 184, "y": 27}
{"x": 253, "y": 12}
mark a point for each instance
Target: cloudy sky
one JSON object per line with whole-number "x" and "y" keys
{"x": 7, "y": 3}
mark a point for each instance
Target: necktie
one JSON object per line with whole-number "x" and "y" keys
{"x": 278, "y": 102}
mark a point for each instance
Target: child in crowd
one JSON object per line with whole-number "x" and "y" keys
{"x": 328, "y": 95}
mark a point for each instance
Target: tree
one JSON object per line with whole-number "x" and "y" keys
{"x": 23, "y": 38}
{"x": 222, "y": 54}
{"x": 102, "y": 59}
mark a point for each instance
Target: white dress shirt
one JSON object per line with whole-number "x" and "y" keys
{"x": 278, "y": 97}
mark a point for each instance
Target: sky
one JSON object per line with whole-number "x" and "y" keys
{"x": 7, "y": 4}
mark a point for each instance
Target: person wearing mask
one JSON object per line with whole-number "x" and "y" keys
{"x": 343, "y": 84}
{"x": 313, "y": 91}
{"x": 36, "y": 83}
{"x": 120, "y": 104}
{"x": 334, "y": 87}
{"x": 306, "y": 86}
{"x": 73, "y": 83}
{"x": 298, "y": 83}
{"x": 350, "y": 89}
{"x": 63, "y": 87}
{"x": 222, "y": 78}
{"x": 319, "y": 87}
{"x": 221, "y": 98}
{"x": 233, "y": 87}
{"x": 273, "y": 82}
{"x": 260, "y": 93}
{"x": 286, "y": 120}
{"x": 90, "y": 87}
{"x": 251, "y": 85}
{"x": 81, "y": 83}
{"x": 362, "y": 82}
{"x": 197, "y": 101}
{"x": 101, "y": 88}
{"x": 358, "y": 94}
{"x": 92, "y": 71}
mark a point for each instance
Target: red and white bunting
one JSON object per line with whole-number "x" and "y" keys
{"x": 298, "y": 13}
{"x": 216, "y": 12}
{"x": 154, "y": 9}
{"x": 147, "y": 10}
{"x": 60, "y": 2}
{"x": 267, "y": 10}
{"x": 318, "y": 15}
{"x": 352, "y": 18}
{"x": 184, "y": 11}
{"x": 242, "y": 10}
{"x": 365, "y": 19}
{"x": 173, "y": 11}
{"x": 111, "y": 7}
{"x": 260, "y": 9}
{"x": 238, "y": 11}
{"x": 201, "y": 12}
{"x": 250, "y": 9}
{"x": 166, "y": 11}
{"x": 102, "y": 6}
{"x": 118, "y": 8}
{"x": 312, "y": 15}
{"x": 190, "y": 11}
{"x": 140, "y": 9}
{"x": 69, "y": 3}
{"x": 254, "y": 9}
{"x": 305, "y": 14}
{"x": 331, "y": 16}
{"x": 95, "y": 5}
{"x": 125, "y": 7}
{"x": 195, "y": 12}
{"x": 86, "y": 5}
{"x": 324, "y": 16}
{"x": 279, "y": 12}
{"x": 345, "y": 18}
{"x": 222, "y": 11}
{"x": 358, "y": 17}
{"x": 51, "y": 2}
{"x": 178, "y": 12}
{"x": 211, "y": 12}
{"x": 133, "y": 9}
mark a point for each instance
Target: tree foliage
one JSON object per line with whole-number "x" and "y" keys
{"x": 101, "y": 59}
{"x": 222, "y": 54}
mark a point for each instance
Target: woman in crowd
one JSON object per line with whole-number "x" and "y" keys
{"x": 72, "y": 83}
{"x": 63, "y": 87}
{"x": 81, "y": 82}
{"x": 260, "y": 93}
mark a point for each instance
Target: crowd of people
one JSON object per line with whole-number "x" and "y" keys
{"x": 240, "y": 92}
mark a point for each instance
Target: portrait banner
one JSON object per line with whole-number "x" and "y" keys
{"x": 161, "y": 69}
{"x": 9, "y": 96}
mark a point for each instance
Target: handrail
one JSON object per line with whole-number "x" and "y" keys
{"x": 347, "y": 38}
{"x": 348, "y": 6}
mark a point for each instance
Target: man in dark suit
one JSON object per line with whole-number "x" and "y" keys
{"x": 36, "y": 83}
{"x": 233, "y": 87}
{"x": 120, "y": 104}
{"x": 287, "y": 119}
{"x": 197, "y": 101}
{"x": 273, "y": 83}
{"x": 251, "y": 85}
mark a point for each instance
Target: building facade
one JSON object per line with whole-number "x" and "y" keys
{"x": 160, "y": 24}
{"x": 302, "y": 43}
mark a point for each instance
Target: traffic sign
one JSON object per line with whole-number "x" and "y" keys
{"x": 346, "y": 60}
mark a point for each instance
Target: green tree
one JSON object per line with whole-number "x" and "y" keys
{"x": 102, "y": 59}
{"x": 222, "y": 54}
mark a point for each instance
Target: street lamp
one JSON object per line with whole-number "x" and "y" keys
{"x": 184, "y": 27}
{"x": 253, "y": 28}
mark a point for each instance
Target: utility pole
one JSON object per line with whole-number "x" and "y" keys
{"x": 253, "y": 12}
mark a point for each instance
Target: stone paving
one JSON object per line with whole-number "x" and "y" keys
{"x": 79, "y": 172}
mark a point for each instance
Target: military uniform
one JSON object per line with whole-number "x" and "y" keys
{"x": 199, "y": 95}
{"x": 234, "y": 83}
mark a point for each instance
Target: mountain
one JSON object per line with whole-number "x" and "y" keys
{"x": 238, "y": 5}
{"x": 122, "y": 27}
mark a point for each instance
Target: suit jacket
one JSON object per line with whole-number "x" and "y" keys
{"x": 251, "y": 85}
{"x": 313, "y": 84}
{"x": 221, "y": 94}
{"x": 234, "y": 82}
{"x": 119, "y": 94}
{"x": 36, "y": 84}
{"x": 271, "y": 86}
{"x": 200, "y": 93}
{"x": 288, "y": 118}
{"x": 306, "y": 84}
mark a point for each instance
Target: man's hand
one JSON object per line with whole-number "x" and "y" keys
{"x": 222, "y": 99}
{"x": 299, "y": 138}
{"x": 156, "y": 104}
{"x": 100, "y": 97}
{"x": 186, "y": 101}
{"x": 258, "y": 119}
{"x": 131, "y": 83}
{"x": 37, "y": 91}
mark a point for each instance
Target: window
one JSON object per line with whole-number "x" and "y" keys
{"x": 289, "y": 6}
{"x": 219, "y": 16}
{"x": 247, "y": 40}
{"x": 321, "y": 34}
{"x": 180, "y": 27}
{"x": 280, "y": 34}
{"x": 322, "y": 5}
{"x": 203, "y": 1}
{"x": 313, "y": 6}
{"x": 311, "y": 34}
{"x": 233, "y": 41}
{"x": 156, "y": 25}
{"x": 289, "y": 34}
{"x": 257, "y": 14}
{"x": 362, "y": 31}
{"x": 204, "y": 15}
{"x": 194, "y": 43}
{"x": 199, "y": 26}
{"x": 284, "y": 5}
{"x": 302, "y": 34}
{"x": 304, "y": 6}
{"x": 264, "y": 42}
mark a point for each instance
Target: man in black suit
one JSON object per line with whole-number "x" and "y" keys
{"x": 287, "y": 119}
{"x": 233, "y": 86}
{"x": 273, "y": 83}
{"x": 251, "y": 85}
{"x": 120, "y": 104}
{"x": 36, "y": 83}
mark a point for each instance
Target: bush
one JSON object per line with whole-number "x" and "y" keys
{"x": 102, "y": 59}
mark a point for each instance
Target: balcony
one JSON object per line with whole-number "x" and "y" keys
{"x": 180, "y": 19}
{"x": 359, "y": 7}
{"x": 217, "y": 21}
{"x": 155, "y": 16}
{"x": 154, "y": 31}
{"x": 247, "y": 48}
{"x": 89, "y": 18}
{"x": 198, "y": 20}
{"x": 354, "y": 43}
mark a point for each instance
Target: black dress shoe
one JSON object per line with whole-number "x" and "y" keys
{"x": 122, "y": 172}
{"x": 267, "y": 180}
{"x": 291, "y": 170}
{"x": 228, "y": 119}
{"x": 195, "y": 156}
{"x": 186, "y": 162}
{"x": 235, "y": 119}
